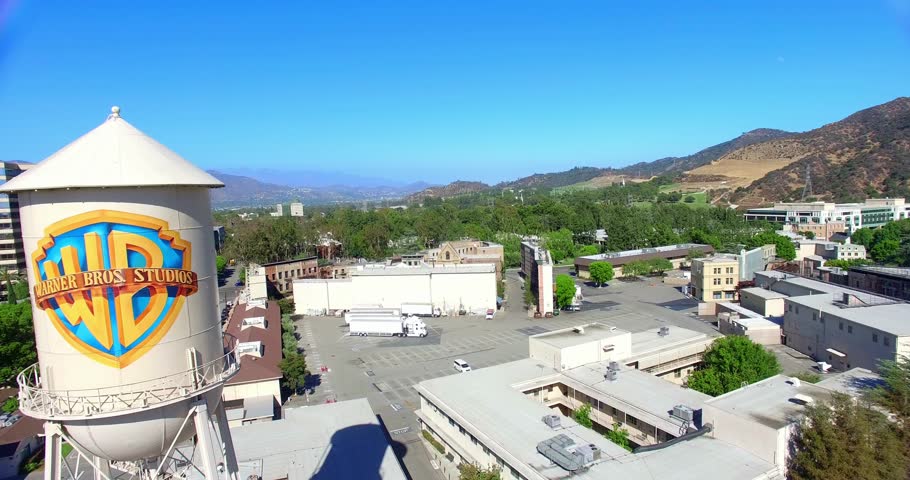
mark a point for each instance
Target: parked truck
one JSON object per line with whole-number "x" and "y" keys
{"x": 420, "y": 310}
{"x": 380, "y": 325}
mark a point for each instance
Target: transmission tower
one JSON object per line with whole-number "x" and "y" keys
{"x": 807, "y": 189}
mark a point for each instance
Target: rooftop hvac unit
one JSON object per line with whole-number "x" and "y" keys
{"x": 664, "y": 331}
{"x": 588, "y": 453}
{"x": 612, "y": 375}
{"x": 684, "y": 412}
{"x": 552, "y": 421}
{"x": 614, "y": 365}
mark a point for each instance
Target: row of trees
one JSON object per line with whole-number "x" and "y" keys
{"x": 654, "y": 266}
{"x": 889, "y": 244}
{"x": 565, "y": 223}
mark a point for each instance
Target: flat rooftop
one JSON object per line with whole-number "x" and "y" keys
{"x": 854, "y": 382}
{"x": 678, "y": 248}
{"x": 424, "y": 269}
{"x": 581, "y": 334}
{"x": 649, "y": 398}
{"x": 489, "y": 403}
{"x": 770, "y": 402}
{"x": 336, "y": 440}
{"x": 650, "y": 341}
{"x": 725, "y": 258}
{"x": 891, "y": 318}
{"x": 896, "y": 272}
{"x": 749, "y": 318}
{"x": 763, "y": 293}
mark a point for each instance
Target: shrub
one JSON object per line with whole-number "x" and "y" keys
{"x": 435, "y": 443}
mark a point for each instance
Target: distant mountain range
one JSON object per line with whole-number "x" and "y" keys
{"x": 244, "y": 191}
{"x": 865, "y": 154}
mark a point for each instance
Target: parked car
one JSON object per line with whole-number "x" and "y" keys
{"x": 490, "y": 313}
{"x": 574, "y": 308}
{"x": 462, "y": 366}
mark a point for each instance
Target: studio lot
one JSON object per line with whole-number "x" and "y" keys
{"x": 385, "y": 369}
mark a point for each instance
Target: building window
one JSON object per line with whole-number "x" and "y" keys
{"x": 728, "y": 295}
{"x": 717, "y": 271}
{"x": 841, "y": 326}
{"x": 849, "y": 328}
{"x": 797, "y": 309}
{"x": 729, "y": 281}
{"x": 448, "y": 256}
{"x": 717, "y": 296}
{"x": 729, "y": 269}
{"x": 874, "y": 338}
{"x": 886, "y": 341}
{"x": 716, "y": 281}
{"x": 790, "y": 307}
{"x": 631, "y": 420}
{"x": 814, "y": 316}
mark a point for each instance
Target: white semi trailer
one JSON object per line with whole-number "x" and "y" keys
{"x": 380, "y": 325}
{"x": 420, "y": 309}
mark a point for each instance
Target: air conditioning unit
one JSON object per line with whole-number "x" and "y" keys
{"x": 552, "y": 421}
{"x": 612, "y": 375}
{"x": 684, "y": 412}
{"x": 664, "y": 331}
{"x": 614, "y": 365}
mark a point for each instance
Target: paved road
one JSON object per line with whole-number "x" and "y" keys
{"x": 385, "y": 370}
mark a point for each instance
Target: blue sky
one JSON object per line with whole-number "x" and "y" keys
{"x": 441, "y": 90}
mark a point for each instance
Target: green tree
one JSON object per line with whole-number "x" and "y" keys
{"x": 583, "y": 416}
{"x": 689, "y": 199}
{"x": 601, "y": 272}
{"x": 730, "y": 362}
{"x": 638, "y": 267}
{"x": 559, "y": 244}
{"x": 529, "y": 295}
{"x": 220, "y": 264}
{"x": 886, "y": 251}
{"x": 808, "y": 377}
{"x": 862, "y": 236}
{"x": 10, "y": 405}
{"x": 808, "y": 235}
{"x": 286, "y": 306}
{"x": 17, "y": 340}
{"x": 565, "y": 291}
{"x": 619, "y": 436}
{"x": 783, "y": 245}
{"x": 660, "y": 265}
{"x": 469, "y": 471}
{"x": 853, "y": 262}
{"x": 843, "y": 439}
{"x": 20, "y": 288}
{"x": 587, "y": 250}
{"x": 895, "y": 394}
{"x": 8, "y": 281}
{"x": 294, "y": 369}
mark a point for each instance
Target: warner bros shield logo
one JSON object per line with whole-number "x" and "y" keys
{"x": 112, "y": 283}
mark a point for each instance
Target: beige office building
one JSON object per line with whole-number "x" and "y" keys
{"x": 12, "y": 256}
{"x": 714, "y": 279}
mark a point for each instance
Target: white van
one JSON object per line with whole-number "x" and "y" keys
{"x": 462, "y": 366}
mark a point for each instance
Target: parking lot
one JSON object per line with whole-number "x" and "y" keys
{"x": 385, "y": 370}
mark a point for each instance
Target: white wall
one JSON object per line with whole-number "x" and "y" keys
{"x": 762, "y": 441}
{"x": 253, "y": 389}
{"x": 449, "y": 291}
{"x": 316, "y": 297}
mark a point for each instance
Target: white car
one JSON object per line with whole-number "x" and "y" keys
{"x": 490, "y": 313}
{"x": 462, "y": 366}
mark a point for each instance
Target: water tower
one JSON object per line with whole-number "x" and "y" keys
{"x": 121, "y": 264}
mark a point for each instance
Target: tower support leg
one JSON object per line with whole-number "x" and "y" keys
{"x": 53, "y": 452}
{"x": 230, "y": 456}
{"x": 206, "y": 441}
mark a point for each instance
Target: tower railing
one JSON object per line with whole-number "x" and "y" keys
{"x": 37, "y": 401}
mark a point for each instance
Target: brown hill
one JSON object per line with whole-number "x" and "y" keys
{"x": 458, "y": 187}
{"x": 867, "y": 153}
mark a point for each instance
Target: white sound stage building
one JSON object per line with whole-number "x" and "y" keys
{"x": 450, "y": 288}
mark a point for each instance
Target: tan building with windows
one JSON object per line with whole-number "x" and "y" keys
{"x": 281, "y": 275}
{"x": 466, "y": 252}
{"x": 714, "y": 279}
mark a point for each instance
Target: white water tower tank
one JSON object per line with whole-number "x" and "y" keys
{"x": 117, "y": 229}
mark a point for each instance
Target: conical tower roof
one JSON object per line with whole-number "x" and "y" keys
{"x": 114, "y": 154}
